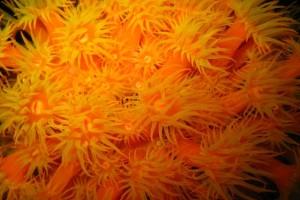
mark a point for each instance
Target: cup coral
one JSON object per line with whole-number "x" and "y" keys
{"x": 148, "y": 99}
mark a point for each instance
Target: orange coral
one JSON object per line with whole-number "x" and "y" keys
{"x": 147, "y": 99}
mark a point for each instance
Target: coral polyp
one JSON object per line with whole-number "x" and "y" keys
{"x": 28, "y": 109}
{"x": 149, "y": 173}
{"x": 264, "y": 22}
{"x": 83, "y": 35}
{"x": 148, "y": 100}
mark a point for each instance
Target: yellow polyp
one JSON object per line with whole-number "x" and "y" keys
{"x": 36, "y": 55}
{"x": 138, "y": 84}
{"x": 168, "y": 107}
{"x": 84, "y": 39}
{"x": 89, "y": 37}
{"x": 147, "y": 99}
{"x": 265, "y": 22}
{"x": 85, "y": 34}
{"x": 143, "y": 168}
{"x": 128, "y": 126}
{"x": 115, "y": 56}
{"x": 35, "y": 153}
{"x": 38, "y": 107}
{"x": 255, "y": 94}
{"x": 38, "y": 61}
{"x": 147, "y": 59}
{"x": 159, "y": 105}
{"x": 105, "y": 165}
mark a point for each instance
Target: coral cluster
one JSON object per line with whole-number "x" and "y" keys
{"x": 147, "y": 99}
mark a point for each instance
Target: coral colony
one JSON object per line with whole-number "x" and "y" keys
{"x": 148, "y": 100}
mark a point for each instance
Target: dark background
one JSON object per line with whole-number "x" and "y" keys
{"x": 294, "y": 6}
{"x": 282, "y": 2}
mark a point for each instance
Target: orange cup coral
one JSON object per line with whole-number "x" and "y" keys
{"x": 148, "y": 99}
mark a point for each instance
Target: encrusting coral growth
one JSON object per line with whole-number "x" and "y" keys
{"x": 148, "y": 99}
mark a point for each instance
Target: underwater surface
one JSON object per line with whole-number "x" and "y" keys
{"x": 149, "y": 100}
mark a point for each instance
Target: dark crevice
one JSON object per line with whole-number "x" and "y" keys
{"x": 294, "y": 136}
{"x": 7, "y": 10}
{"x": 20, "y": 35}
{"x": 5, "y": 195}
{"x": 284, "y": 159}
{"x": 266, "y": 183}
